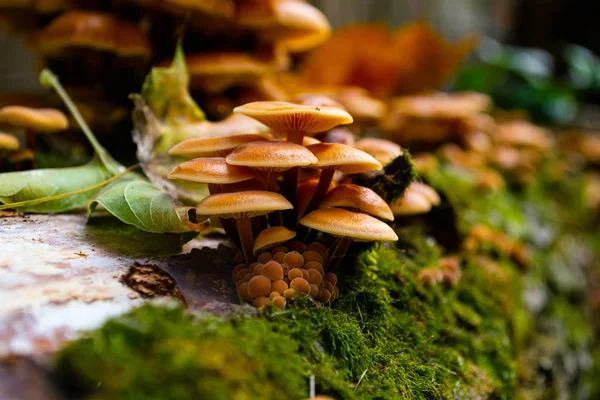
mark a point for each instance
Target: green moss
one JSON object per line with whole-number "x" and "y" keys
{"x": 388, "y": 336}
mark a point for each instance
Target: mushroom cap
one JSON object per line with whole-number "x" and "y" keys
{"x": 298, "y": 25}
{"x": 215, "y": 147}
{"x": 227, "y": 64}
{"x": 271, "y": 156}
{"x": 340, "y": 135}
{"x": 271, "y": 237}
{"x": 427, "y": 191}
{"x": 41, "y": 120}
{"x": 384, "y": 151}
{"x": 283, "y": 116}
{"x": 441, "y": 105}
{"x": 360, "y": 104}
{"x": 93, "y": 30}
{"x": 411, "y": 203}
{"x": 522, "y": 134}
{"x": 231, "y": 125}
{"x": 252, "y": 203}
{"x": 21, "y": 155}
{"x": 342, "y": 223}
{"x": 217, "y": 8}
{"x": 343, "y": 158}
{"x": 9, "y": 142}
{"x": 358, "y": 198}
{"x": 211, "y": 170}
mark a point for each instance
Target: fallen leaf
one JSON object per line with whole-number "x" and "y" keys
{"x": 137, "y": 202}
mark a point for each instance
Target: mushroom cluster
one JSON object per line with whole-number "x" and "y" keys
{"x": 266, "y": 189}
{"x": 105, "y": 47}
{"x": 26, "y": 122}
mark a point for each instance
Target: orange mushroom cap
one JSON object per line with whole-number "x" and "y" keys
{"x": 342, "y": 223}
{"x": 252, "y": 203}
{"x": 215, "y": 147}
{"x": 211, "y": 170}
{"x": 358, "y": 198}
{"x": 284, "y": 117}
{"x": 343, "y": 158}
{"x": 271, "y": 156}
{"x": 41, "y": 120}
{"x": 92, "y": 30}
{"x": 384, "y": 151}
{"x": 271, "y": 237}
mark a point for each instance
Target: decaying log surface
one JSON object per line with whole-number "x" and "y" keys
{"x": 59, "y": 275}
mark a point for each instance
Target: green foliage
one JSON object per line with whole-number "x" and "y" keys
{"x": 38, "y": 184}
{"x": 166, "y": 91}
{"x": 394, "y": 180}
{"x": 136, "y": 202}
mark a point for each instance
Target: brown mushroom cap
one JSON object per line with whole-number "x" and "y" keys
{"x": 21, "y": 155}
{"x": 211, "y": 170}
{"x": 41, "y": 120}
{"x": 252, "y": 203}
{"x": 343, "y": 158}
{"x": 9, "y": 142}
{"x": 358, "y": 198}
{"x": 522, "y": 134}
{"x": 298, "y": 25}
{"x": 316, "y": 100}
{"x": 216, "y": 8}
{"x": 284, "y": 117}
{"x": 215, "y": 147}
{"x": 441, "y": 105}
{"x": 340, "y": 135}
{"x": 271, "y": 156}
{"x": 356, "y": 226}
{"x": 411, "y": 203}
{"x": 232, "y": 125}
{"x": 427, "y": 191}
{"x": 384, "y": 151}
{"x": 271, "y": 237}
{"x": 93, "y": 30}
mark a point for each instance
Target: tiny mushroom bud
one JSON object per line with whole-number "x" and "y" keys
{"x": 272, "y": 237}
{"x": 259, "y": 286}
{"x": 412, "y": 202}
{"x": 273, "y": 271}
{"x": 279, "y": 301}
{"x": 300, "y": 284}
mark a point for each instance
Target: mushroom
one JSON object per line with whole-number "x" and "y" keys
{"x": 242, "y": 206}
{"x": 384, "y": 151}
{"x": 299, "y": 26}
{"x": 359, "y": 199}
{"x": 348, "y": 226}
{"x": 411, "y": 203}
{"x": 332, "y": 157}
{"x": 215, "y": 172}
{"x": 215, "y": 8}
{"x": 214, "y": 147}
{"x": 427, "y": 191}
{"x": 9, "y": 142}
{"x": 41, "y": 120}
{"x": 272, "y": 237}
{"x": 295, "y": 121}
{"x": 99, "y": 31}
{"x": 338, "y": 135}
{"x": 272, "y": 157}
{"x": 216, "y": 72}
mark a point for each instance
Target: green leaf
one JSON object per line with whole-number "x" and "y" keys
{"x": 137, "y": 202}
{"x": 166, "y": 91}
{"x": 38, "y": 184}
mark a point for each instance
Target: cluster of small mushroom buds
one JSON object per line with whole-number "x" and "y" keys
{"x": 481, "y": 237}
{"x": 284, "y": 272}
{"x": 447, "y": 272}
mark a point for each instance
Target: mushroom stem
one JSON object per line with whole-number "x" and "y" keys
{"x": 30, "y": 139}
{"x": 321, "y": 190}
{"x": 290, "y": 184}
{"x": 338, "y": 253}
{"x": 295, "y": 137}
{"x": 244, "y": 227}
{"x": 227, "y": 224}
